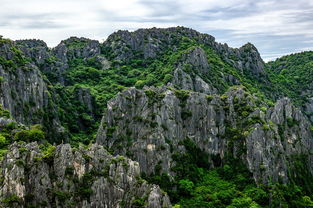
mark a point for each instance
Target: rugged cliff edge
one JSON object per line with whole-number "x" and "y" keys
{"x": 150, "y": 126}
{"x": 38, "y": 176}
{"x": 24, "y": 91}
{"x": 211, "y": 125}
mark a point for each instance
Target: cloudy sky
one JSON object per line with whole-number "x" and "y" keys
{"x": 276, "y": 27}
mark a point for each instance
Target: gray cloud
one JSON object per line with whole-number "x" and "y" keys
{"x": 276, "y": 27}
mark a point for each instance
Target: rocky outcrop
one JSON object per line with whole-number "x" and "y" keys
{"x": 193, "y": 82}
{"x": 197, "y": 60}
{"x": 149, "y": 126}
{"x": 66, "y": 177}
{"x": 125, "y": 45}
{"x": 272, "y": 149}
{"x": 308, "y": 108}
{"x": 251, "y": 60}
{"x": 148, "y": 43}
{"x": 36, "y": 50}
{"x": 24, "y": 91}
{"x": 55, "y": 62}
{"x": 76, "y": 48}
{"x": 86, "y": 99}
{"x": 153, "y": 126}
{"x": 246, "y": 59}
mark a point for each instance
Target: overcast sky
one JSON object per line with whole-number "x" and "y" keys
{"x": 275, "y": 27}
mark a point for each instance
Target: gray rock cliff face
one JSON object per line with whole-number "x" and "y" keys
{"x": 308, "y": 108}
{"x": 149, "y": 126}
{"x": 275, "y": 148}
{"x": 24, "y": 91}
{"x": 192, "y": 82}
{"x": 66, "y": 177}
{"x": 76, "y": 48}
{"x": 37, "y": 50}
{"x": 246, "y": 59}
{"x": 57, "y": 59}
{"x": 197, "y": 59}
{"x": 150, "y": 42}
{"x": 125, "y": 45}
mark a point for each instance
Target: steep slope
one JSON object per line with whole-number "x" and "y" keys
{"x": 185, "y": 48}
{"x": 214, "y": 126}
{"x": 293, "y": 76}
{"x": 84, "y": 74}
{"x": 176, "y": 134}
{"x": 49, "y": 176}
{"x": 24, "y": 91}
{"x": 150, "y": 126}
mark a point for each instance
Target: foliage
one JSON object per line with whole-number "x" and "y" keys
{"x": 48, "y": 153}
{"x": 84, "y": 187}
{"x": 139, "y": 202}
{"x": 4, "y": 113}
{"x": 292, "y": 75}
{"x": 3, "y": 141}
{"x": 17, "y": 58}
{"x": 34, "y": 133}
{"x": 11, "y": 201}
{"x": 7, "y": 136}
{"x": 230, "y": 185}
{"x": 62, "y": 196}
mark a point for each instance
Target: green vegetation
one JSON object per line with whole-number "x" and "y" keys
{"x": 48, "y": 153}
{"x": 74, "y": 43}
{"x": 61, "y": 196}
{"x": 183, "y": 96}
{"x": 231, "y": 185}
{"x": 293, "y": 75}
{"x": 84, "y": 187}
{"x": 12, "y": 201}
{"x": 35, "y": 133}
{"x": 88, "y": 74}
{"x": 4, "y": 113}
{"x": 139, "y": 202}
{"x": 17, "y": 58}
{"x": 7, "y": 132}
{"x": 153, "y": 96}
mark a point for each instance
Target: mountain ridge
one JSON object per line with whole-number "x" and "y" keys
{"x": 189, "y": 110}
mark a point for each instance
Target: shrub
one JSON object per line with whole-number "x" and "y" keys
{"x": 35, "y": 133}
{"x": 209, "y": 98}
{"x": 186, "y": 187}
{"x": 182, "y": 95}
{"x": 186, "y": 114}
{"x": 138, "y": 202}
{"x": 139, "y": 84}
{"x": 167, "y": 78}
{"x": 11, "y": 201}
{"x": 84, "y": 189}
{"x": 3, "y": 141}
{"x": 62, "y": 196}
{"x": 266, "y": 127}
{"x": 291, "y": 122}
{"x": 4, "y": 113}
